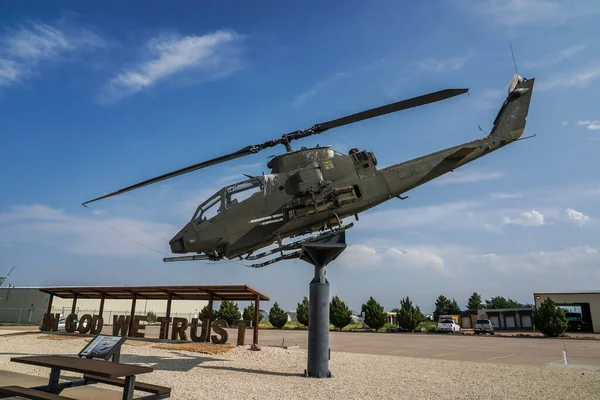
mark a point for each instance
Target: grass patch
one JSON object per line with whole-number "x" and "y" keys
{"x": 206, "y": 348}
{"x": 287, "y": 326}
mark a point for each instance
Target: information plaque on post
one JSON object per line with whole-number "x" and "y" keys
{"x": 103, "y": 346}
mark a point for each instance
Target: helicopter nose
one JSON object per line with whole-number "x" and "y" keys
{"x": 178, "y": 242}
{"x": 177, "y": 245}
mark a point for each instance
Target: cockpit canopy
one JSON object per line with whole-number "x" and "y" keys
{"x": 227, "y": 197}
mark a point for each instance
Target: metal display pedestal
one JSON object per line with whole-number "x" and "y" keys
{"x": 319, "y": 254}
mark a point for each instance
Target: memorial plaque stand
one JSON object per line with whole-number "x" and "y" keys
{"x": 319, "y": 254}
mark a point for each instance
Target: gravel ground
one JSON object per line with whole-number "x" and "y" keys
{"x": 274, "y": 373}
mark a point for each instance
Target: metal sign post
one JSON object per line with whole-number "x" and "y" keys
{"x": 319, "y": 254}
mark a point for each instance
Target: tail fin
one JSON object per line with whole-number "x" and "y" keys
{"x": 510, "y": 122}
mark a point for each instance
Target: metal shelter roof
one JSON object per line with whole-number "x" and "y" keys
{"x": 226, "y": 292}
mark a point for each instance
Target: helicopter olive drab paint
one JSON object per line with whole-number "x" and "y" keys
{"x": 310, "y": 191}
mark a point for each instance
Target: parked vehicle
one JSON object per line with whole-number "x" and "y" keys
{"x": 62, "y": 323}
{"x": 448, "y": 325}
{"x": 576, "y": 322}
{"x": 483, "y": 326}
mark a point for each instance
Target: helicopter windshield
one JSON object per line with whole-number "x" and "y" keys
{"x": 239, "y": 192}
{"x": 209, "y": 210}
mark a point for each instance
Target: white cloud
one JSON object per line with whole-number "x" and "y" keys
{"x": 577, "y": 217}
{"x": 320, "y": 86}
{"x": 448, "y": 64}
{"x": 558, "y": 57}
{"x": 363, "y": 256}
{"x": 592, "y": 125}
{"x": 468, "y": 177}
{"x": 581, "y": 78}
{"x": 215, "y": 54}
{"x": 569, "y": 262}
{"x": 414, "y": 216}
{"x": 503, "y": 196}
{"x": 527, "y": 218}
{"x": 46, "y": 226}
{"x": 565, "y": 123}
{"x": 302, "y": 98}
{"x": 523, "y": 12}
{"x": 23, "y": 51}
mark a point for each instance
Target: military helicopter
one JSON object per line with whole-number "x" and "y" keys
{"x": 310, "y": 191}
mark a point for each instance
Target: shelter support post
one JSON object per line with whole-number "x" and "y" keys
{"x": 210, "y": 316}
{"x": 168, "y": 315}
{"x": 132, "y": 313}
{"x": 49, "y": 311}
{"x": 319, "y": 254}
{"x": 256, "y": 320}
{"x": 101, "y": 311}
{"x": 74, "y": 304}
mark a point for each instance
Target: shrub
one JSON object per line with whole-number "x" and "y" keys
{"x": 229, "y": 312}
{"x": 339, "y": 313}
{"x": 151, "y": 317}
{"x": 375, "y": 316}
{"x": 302, "y": 311}
{"x": 203, "y": 314}
{"x": 550, "y": 319}
{"x": 409, "y": 316}
{"x": 248, "y": 314}
{"x": 277, "y": 317}
{"x": 474, "y": 303}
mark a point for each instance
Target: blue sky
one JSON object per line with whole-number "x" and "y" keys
{"x": 94, "y": 98}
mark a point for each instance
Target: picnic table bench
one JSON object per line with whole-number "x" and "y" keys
{"x": 94, "y": 371}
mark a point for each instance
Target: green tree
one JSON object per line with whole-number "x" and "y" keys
{"x": 277, "y": 317}
{"x": 499, "y": 302}
{"x": 339, "y": 313}
{"x": 375, "y": 316}
{"x": 204, "y": 313}
{"x": 248, "y": 314}
{"x": 454, "y": 308}
{"x": 409, "y": 316}
{"x": 442, "y": 307}
{"x": 474, "y": 303}
{"x": 302, "y": 311}
{"x": 151, "y": 317}
{"x": 229, "y": 311}
{"x": 550, "y": 319}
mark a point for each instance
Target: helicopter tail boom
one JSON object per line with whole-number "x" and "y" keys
{"x": 509, "y": 126}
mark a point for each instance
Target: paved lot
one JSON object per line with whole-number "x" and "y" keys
{"x": 509, "y": 350}
{"x": 505, "y": 350}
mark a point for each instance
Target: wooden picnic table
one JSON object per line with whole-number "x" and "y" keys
{"x": 86, "y": 366}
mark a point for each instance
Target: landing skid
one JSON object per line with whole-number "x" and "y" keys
{"x": 294, "y": 246}
{"x": 287, "y": 247}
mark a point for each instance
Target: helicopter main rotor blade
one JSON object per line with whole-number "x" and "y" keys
{"x": 390, "y": 108}
{"x": 378, "y": 111}
{"x": 285, "y": 139}
{"x": 240, "y": 153}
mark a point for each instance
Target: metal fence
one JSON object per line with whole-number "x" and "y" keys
{"x": 22, "y": 315}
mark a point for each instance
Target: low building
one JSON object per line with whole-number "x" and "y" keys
{"x": 586, "y": 302}
{"x": 391, "y": 318}
{"x": 508, "y": 318}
